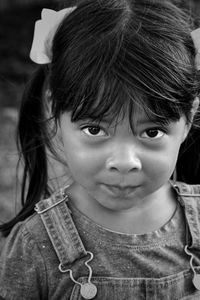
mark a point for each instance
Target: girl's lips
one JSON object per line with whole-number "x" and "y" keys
{"x": 120, "y": 191}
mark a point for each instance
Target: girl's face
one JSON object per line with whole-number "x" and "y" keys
{"x": 116, "y": 168}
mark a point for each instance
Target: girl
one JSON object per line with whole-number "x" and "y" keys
{"x": 119, "y": 87}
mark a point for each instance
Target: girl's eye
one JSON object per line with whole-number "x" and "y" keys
{"x": 153, "y": 133}
{"x": 93, "y": 131}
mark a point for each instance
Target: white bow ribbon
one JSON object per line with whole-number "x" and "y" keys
{"x": 41, "y": 50}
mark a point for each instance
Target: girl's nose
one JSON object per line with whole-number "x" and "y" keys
{"x": 124, "y": 161}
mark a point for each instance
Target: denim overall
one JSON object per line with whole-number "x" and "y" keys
{"x": 57, "y": 219}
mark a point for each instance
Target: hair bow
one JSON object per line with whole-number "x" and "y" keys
{"x": 41, "y": 50}
{"x": 196, "y": 40}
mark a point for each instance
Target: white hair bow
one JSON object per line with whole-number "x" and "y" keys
{"x": 196, "y": 40}
{"x": 41, "y": 50}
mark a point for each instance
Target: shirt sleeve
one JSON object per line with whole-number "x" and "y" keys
{"x": 22, "y": 268}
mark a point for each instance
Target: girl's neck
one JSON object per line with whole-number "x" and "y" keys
{"x": 139, "y": 220}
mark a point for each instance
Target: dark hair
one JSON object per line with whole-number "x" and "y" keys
{"x": 121, "y": 52}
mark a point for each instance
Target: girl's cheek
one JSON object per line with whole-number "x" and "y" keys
{"x": 84, "y": 159}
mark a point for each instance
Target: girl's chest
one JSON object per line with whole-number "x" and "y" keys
{"x": 154, "y": 273}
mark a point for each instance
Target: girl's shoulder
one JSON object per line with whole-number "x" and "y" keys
{"x": 188, "y": 195}
{"x": 28, "y": 234}
{"x": 31, "y": 230}
{"x": 185, "y": 189}
{"x": 25, "y": 242}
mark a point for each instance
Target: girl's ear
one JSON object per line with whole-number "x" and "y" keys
{"x": 48, "y": 109}
{"x": 193, "y": 111}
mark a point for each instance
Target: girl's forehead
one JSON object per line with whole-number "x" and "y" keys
{"x": 131, "y": 105}
{"x": 132, "y": 116}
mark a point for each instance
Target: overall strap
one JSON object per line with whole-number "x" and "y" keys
{"x": 60, "y": 227}
{"x": 189, "y": 198}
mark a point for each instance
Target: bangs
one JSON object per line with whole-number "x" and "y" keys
{"x": 111, "y": 62}
{"x": 111, "y": 99}
{"x": 107, "y": 101}
{"x": 108, "y": 93}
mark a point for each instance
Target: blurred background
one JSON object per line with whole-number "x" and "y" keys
{"x": 17, "y": 18}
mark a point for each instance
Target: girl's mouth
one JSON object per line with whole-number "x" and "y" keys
{"x": 119, "y": 191}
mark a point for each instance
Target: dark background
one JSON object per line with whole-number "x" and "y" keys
{"x": 17, "y": 18}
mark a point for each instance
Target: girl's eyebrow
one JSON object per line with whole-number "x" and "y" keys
{"x": 154, "y": 121}
{"x": 109, "y": 120}
{"x": 96, "y": 120}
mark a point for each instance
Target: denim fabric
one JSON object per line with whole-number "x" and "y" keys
{"x": 149, "y": 266}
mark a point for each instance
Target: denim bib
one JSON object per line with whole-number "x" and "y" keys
{"x": 57, "y": 219}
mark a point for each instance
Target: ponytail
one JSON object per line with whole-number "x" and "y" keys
{"x": 31, "y": 138}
